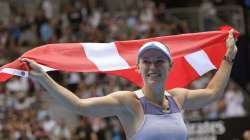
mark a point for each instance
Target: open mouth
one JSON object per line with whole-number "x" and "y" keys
{"x": 153, "y": 75}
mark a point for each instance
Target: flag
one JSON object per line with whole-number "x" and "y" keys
{"x": 194, "y": 54}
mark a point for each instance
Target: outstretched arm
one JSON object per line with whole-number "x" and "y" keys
{"x": 110, "y": 105}
{"x": 193, "y": 99}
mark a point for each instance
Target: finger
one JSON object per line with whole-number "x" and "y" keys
{"x": 27, "y": 64}
{"x": 31, "y": 63}
{"x": 231, "y": 33}
{"x": 230, "y": 40}
{"x": 26, "y": 60}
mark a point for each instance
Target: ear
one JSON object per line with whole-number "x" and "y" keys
{"x": 170, "y": 65}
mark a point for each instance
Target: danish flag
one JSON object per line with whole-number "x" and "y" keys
{"x": 194, "y": 54}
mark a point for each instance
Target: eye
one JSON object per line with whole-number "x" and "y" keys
{"x": 145, "y": 61}
{"x": 160, "y": 61}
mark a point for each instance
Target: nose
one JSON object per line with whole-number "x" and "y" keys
{"x": 152, "y": 65}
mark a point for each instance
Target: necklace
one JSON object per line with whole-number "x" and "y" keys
{"x": 165, "y": 108}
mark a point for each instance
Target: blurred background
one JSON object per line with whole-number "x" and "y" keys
{"x": 27, "y": 112}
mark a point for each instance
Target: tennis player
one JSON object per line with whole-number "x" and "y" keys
{"x": 150, "y": 113}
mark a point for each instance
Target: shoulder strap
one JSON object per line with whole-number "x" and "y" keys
{"x": 167, "y": 94}
{"x": 139, "y": 93}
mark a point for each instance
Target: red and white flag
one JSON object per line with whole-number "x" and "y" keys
{"x": 194, "y": 54}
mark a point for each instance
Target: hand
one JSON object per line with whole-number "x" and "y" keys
{"x": 36, "y": 71}
{"x": 230, "y": 44}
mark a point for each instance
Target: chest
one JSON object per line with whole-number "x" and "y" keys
{"x": 162, "y": 127}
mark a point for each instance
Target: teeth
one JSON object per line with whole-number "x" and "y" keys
{"x": 153, "y": 74}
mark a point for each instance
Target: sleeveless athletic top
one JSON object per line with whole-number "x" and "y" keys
{"x": 160, "y": 125}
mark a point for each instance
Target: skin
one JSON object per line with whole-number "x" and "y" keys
{"x": 154, "y": 69}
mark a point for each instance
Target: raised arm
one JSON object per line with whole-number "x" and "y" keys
{"x": 194, "y": 99}
{"x": 110, "y": 105}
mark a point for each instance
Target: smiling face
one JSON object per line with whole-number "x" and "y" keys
{"x": 154, "y": 67}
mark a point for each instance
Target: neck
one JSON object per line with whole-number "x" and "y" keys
{"x": 154, "y": 93}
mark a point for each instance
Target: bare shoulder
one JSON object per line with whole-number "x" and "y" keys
{"x": 125, "y": 97}
{"x": 129, "y": 100}
{"x": 178, "y": 91}
{"x": 123, "y": 94}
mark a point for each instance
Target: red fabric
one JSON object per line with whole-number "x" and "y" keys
{"x": 70, "y": 57}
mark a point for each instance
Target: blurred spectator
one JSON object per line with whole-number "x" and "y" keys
{"x": 117, "y": 131}
{"x": 48, "y": 124}
{"x": 61, "y": 132}
{"x": 246, "y": 135}
{"x": 210, "y": 18}
{"x": 99, "y": 127}
{"x": 73, "y": 80}
{"x": 46, "y": 31}
{"x": 234, "y": 101}
{"x": 18, "y": 85}
{"x": 83, "y": 130}
{"x": 48, "y": 9}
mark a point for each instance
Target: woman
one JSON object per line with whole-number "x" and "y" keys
{"x": 151, "y": 112}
